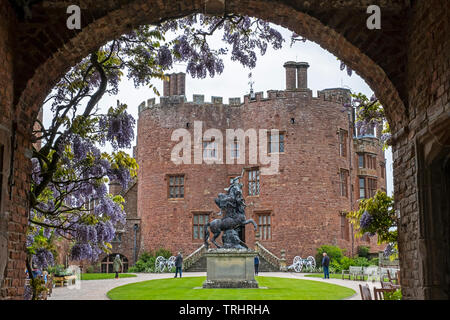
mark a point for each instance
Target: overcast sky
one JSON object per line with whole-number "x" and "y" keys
{"x": 269, "y": 74}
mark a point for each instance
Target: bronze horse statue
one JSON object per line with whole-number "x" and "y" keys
{"x": 232, "y": 207}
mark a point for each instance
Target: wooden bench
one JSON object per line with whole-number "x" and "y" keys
{"x": 64, "y": 280}
{"x": 365, "y": 292}
{"x": 378, "y": 293}
{"x": 355, "y": 272}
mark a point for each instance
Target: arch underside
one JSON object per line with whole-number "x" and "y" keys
{"x": 337, "y": 28}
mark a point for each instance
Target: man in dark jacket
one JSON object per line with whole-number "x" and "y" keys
{"x": 325, "y": 265}
{"x": 256, "y": 265}
{"x": 178, "y": 264}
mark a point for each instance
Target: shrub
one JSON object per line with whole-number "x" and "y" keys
{"x": 335, "y": 253}
{"x": 396, "y": 295}
{"x": 90, "y": 269}
{"x": 346, "y": 262}
{"x": 163, "y": 252}
{"x": 374, "y": 262}
{"x": 146, "y": 261}
{"x": 363, "y": 252}
{"x": 335, "y": 266}
{"x": 361, "y": 262}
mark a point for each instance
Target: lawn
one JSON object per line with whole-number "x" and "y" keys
{"x": 102, "y": 276}
{"x": 183, "y": 289}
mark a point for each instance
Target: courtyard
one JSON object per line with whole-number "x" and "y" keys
{"x": 98, "y": 289}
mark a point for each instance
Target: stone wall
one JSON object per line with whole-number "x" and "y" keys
{"x": 428, "y": 74}
{"x": 13, "y": 203}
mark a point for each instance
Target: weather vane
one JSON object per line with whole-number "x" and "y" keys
{"x": 251, "y": 82}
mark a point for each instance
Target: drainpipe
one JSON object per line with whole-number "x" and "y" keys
{"x": 350, "y": 154}
{"x": 136, "y": 226}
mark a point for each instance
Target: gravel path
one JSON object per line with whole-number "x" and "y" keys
{"x": 97, "y": 289}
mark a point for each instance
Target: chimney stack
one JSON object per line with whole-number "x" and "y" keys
{"x": 173, "y": 84}
{"x": 176, "y": 85}
{"x": 166, "y": 87}
{"x": 302, "y": 75}
{"x": 291, "y": 68}
{"x": 181, "y": 83}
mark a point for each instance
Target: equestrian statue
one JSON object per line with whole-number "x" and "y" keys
{"x": 232, "y": 209}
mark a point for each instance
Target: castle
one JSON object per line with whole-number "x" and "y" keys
{"x": 324, "y": 166}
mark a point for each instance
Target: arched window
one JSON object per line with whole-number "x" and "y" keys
{"x": 108, "y": 262}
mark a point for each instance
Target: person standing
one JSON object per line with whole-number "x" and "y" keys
{"x": 178, "y": 264}
{"x": 117, "y": 265}
{"x": 256, "y": 265}
{"x": 325, "y": 265}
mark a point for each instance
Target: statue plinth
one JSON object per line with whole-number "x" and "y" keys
{"x": 230, "y": 268}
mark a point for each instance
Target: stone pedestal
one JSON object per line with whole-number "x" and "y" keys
{"x": 230, "y": 268}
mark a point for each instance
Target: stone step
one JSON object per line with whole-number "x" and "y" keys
{"x": 200, "y": 266}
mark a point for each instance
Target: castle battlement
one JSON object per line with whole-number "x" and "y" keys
{"x": 296, "y": 87}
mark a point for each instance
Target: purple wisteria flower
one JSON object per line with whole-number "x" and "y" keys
{"x": 366, "y": 220}
{"x": 43, "y": 259}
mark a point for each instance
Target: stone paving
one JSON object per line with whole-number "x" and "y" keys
{"x": 97, "y": 289}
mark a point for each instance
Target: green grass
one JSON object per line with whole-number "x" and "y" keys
{"x": 102, "y": 276}
{"x": 183, "y": 289}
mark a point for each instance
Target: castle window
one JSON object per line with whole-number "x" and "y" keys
{"x": 362, "y": 188}
{"x": 253, "y": 182}
{"x": 199, "y": 220}
{"x": 371, "y": 187}
{"x": 367, "y": 187}
{"x": 108, "y": 263}
{"x": 383, "y": 170}
{"x": 344, "y": 228}
{"x": 91, "y": 204}
{"x": 343, "y": 135}
{"x": 361, "y": 161}
{"x": 343, "y": 176}
{"x": 117, "y": 237}
{"x": 235, "y": 149}
{"x": 209, "y": 150}
{"x": 264, "y": 226}
{"x": 275, "y": 145}
{"x": 371, "y": 161}
{"x": 176, "y": 186}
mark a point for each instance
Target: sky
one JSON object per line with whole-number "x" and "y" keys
{"x": 269, "y": 74}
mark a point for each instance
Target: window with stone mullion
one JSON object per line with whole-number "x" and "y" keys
{"x": 198, "y": 225}
{"x": 264, "y": 227}
{"x": 176, "y": 187}
{"x": 253, "y": 182}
